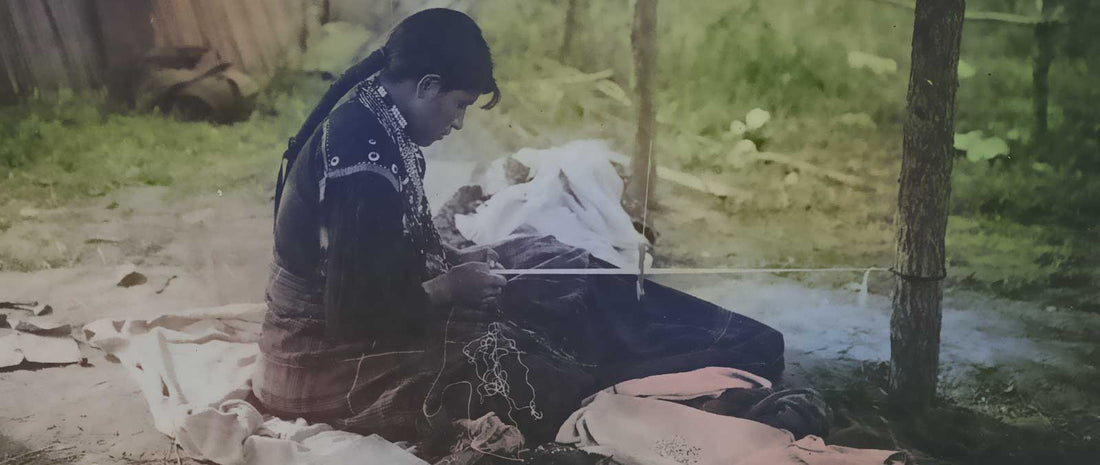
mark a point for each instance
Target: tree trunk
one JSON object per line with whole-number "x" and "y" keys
{"x": 642, "y": 183}
{"x": 8, "y": 94}
{"x": 925, "y": 187}
{"x": 569, "y": 29}
{"x": 1044, "y": 55}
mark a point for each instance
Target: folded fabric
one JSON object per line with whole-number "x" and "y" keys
{"x": 185, "y": 360}
{"x": 645, "y": 431}
{"x": 486, "y": 436}
{"x": 703, "y": 382}
{"x": 573, "y": 193}
{"x": 195, "y": 368}
{"x": 17, "y": 346}
{"x": 235, "y": 433}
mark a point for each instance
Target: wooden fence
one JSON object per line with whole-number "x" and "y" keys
{"x": 47, "y": 45}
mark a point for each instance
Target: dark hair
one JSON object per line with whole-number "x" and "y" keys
{"x": 434, "y": 41}
{"x": 444, "y": 42}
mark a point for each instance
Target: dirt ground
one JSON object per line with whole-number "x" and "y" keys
{"x": 1015, "y": 361}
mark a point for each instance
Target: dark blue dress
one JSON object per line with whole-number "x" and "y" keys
{"x": 350, "y": 338}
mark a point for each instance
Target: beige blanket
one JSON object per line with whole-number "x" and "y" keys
{"x": 195, "y": 368}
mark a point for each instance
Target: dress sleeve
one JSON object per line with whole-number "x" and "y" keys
{"x": 373, "y": 274}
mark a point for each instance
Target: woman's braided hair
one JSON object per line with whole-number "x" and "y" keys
{"x": 435, "y": 41}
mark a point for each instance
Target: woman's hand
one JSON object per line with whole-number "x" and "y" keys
{"x": 469, "y": 284}
{"x": 479, "y": 253}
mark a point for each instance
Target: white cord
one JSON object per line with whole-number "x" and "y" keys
{"x": 491, "y": 349}
{"x": 676, "y": 271}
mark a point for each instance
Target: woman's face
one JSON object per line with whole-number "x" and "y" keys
{"x": 433, "y": 111}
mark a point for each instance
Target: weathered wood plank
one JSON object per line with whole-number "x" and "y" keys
{"x": 993, "y": 16}
{"x": 161, "y": 19}
{"x": 262, "y": 33}
{"x": 18, "y": 75}
{"x": 211, "y": 14}
{"x": 186, "y": 24}
{"x": 296, "y": 29}
{"x": 71, "y": 22}
{"x": 126, "y": 35}
{"x": 38, "y": 48}
{"x": 53, "y": 44}
{"x": 232, "y": 15}
{"x": 282, "y": 30}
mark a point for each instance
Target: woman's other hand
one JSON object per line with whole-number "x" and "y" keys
{"x": 470, "y": 284}
{"x": 479, "y": 253}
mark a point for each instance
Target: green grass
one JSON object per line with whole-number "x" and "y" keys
{"x": 55, "y": 151}
{"x": 1004, "y": 255}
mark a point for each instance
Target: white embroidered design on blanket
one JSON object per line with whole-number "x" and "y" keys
{"x": 678, "y": 449}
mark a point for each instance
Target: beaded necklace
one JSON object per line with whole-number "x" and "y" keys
{"x": 417, "y": 216}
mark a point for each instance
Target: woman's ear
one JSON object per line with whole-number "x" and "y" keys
{"x": 429, "y": 86}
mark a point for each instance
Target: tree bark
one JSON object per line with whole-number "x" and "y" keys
{"x": 925, "y": 187}
{"x": 8, "y": 94}
{"x": 1044, "y": 56}
{"x": 643, "y": 178}
{"x": 568, "y": 31}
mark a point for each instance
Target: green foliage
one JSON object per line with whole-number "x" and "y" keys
{"x": 1027, "y": 192}
{"x": 980, "y": 148}
{"x": 717, "y": 61}
{"x": 333, "y": 49}
{"x": 1003, "y": 255}
{"x": 53, "y": 150}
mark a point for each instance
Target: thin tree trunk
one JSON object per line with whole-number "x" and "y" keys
{"x": 643, "y": 37}
{"x": 8, "y": 94}
{"x": 1044, "y": 55}
{"x": 568, "y": 31}
{"x": 922, "y": 203}
{"x": 326, "y": 11}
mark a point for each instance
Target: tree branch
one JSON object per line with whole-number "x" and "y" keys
{"x": 1007, "y": 18}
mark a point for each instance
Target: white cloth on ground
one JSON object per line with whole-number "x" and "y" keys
{"x": 646, "y": 431}
{"x": 195, "y": 369}
{"x": 17, "y": 346}
{"x": 573, "y": 193}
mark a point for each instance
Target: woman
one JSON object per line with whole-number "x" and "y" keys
{"x": 374, "y": 325}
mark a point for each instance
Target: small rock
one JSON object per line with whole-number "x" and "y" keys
{"x": 756, "y": 118}
{"x": 737, "y": 128}
{"x": 738, "y": 155}
{"x": 133, "y": 279}
{"x": 516, "y": 172}
{"x": 41, "y": 309}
